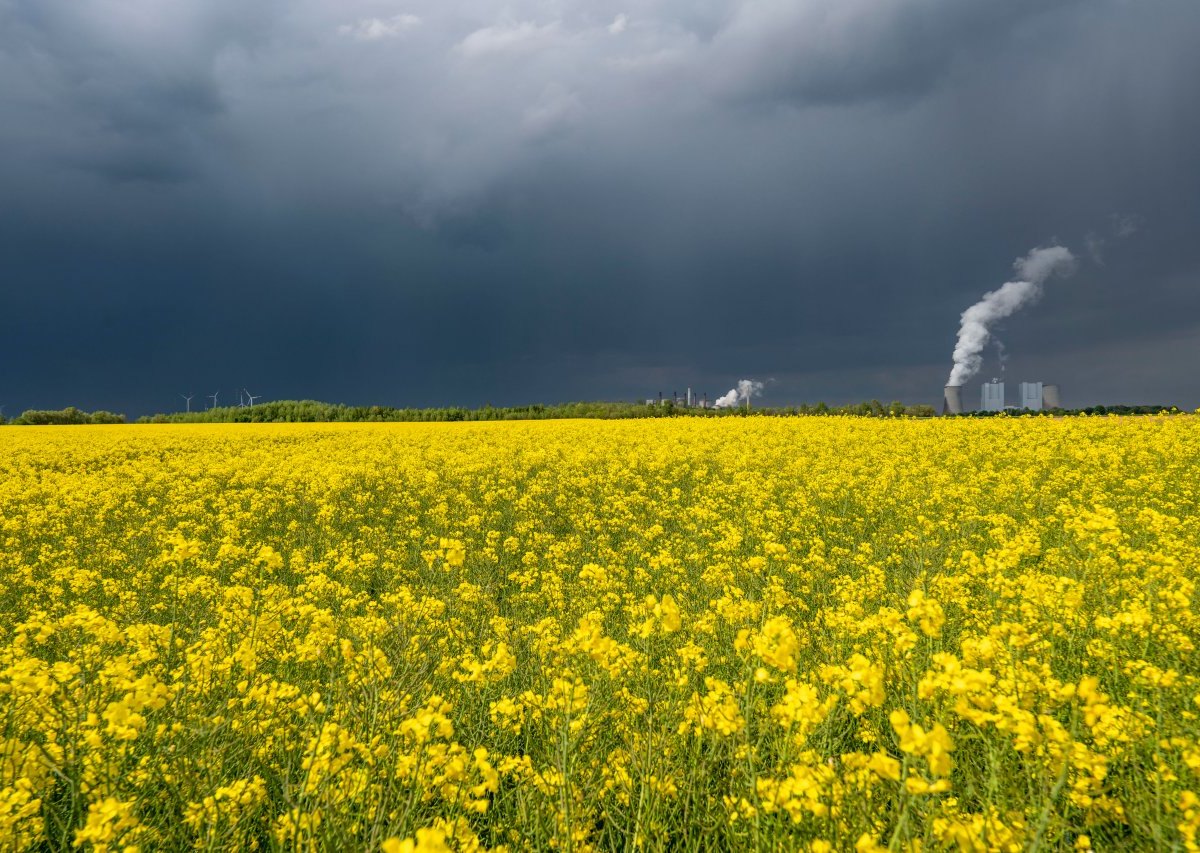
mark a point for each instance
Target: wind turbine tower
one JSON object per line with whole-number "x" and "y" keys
{"x": 252, "y": 397}
{"x": 188, "y": 398}
{"x": 213, "y": 397}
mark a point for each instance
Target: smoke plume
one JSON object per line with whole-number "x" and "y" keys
{"x": 973, "y": 333}
{"x": 746, "y": 388}
{"x": 1001, "y": 353}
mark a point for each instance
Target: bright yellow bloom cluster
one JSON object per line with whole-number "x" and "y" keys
{"x": 812, "y": 634}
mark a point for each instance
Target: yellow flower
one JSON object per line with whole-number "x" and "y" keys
{"x": 429, "y": 840}
{"x": 926, "y": 612}
{"x": 935, "y": 745}
{"x": 813, "y": 628}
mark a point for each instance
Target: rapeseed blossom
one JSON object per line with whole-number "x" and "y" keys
{"x": 814, "y": 634}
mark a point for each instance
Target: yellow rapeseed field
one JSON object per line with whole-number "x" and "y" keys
{"x": 692, "y": 634}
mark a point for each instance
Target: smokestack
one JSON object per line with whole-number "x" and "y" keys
{"x": 1050, "y": 397}
{"x": 689, "y": 398}
{"x": 952, "y": 400}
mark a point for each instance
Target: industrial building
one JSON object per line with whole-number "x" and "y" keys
{"x": 689, "y": 400}
{"x": 1031, "y": 396}
{"x": 993, "y": 396}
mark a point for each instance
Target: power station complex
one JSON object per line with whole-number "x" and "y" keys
{"x": 687, "y": 401}
{"x": 1032, "y": 396}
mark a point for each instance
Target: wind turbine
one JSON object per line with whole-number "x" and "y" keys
{"x": 251, "y": 397}
{"x": 188, "y": 397}
{"x": 213, "y": 397}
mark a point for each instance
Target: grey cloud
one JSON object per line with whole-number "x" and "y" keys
{"x": 449, "y": 199}
{"x": 133, "y": 162}
{"x": 128, "y": 87}
{"x": 373, "y": 29}
{"x": 843, "y": 51}
{"x": 465, "y": 97}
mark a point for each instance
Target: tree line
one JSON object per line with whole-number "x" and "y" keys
{"x": 302, "y": 411}
{"x": 314, "y": 411}
{"x": 69, "y": 416}
{"x": 1089, "y": 410}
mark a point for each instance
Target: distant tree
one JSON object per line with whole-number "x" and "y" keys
{"x": 69, "y": 416}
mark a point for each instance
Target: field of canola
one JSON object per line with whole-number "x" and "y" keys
{"x": 808, "y": 634}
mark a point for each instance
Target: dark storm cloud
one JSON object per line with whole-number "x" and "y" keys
{"x": 428, "y": 202}
{"x": 856, "y": 50}
{"x": 128, "y": 90}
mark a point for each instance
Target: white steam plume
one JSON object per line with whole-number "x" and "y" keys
{"x": 973, "y": 333}
{"x": 746, "y": 388}
{"x": 1001, "y": 353}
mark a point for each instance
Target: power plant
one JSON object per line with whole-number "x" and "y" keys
{"x": 975, "y": 331}
{"x": 689, "y": 400}
{"x": 739, "y": 396}
{"x": 1031, "y": 396}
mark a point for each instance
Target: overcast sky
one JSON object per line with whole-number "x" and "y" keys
{"x": 439, "y": 202}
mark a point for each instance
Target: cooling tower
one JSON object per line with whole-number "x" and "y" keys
{"x": 1050, "y": 397}
{"x": 952, "y": 401}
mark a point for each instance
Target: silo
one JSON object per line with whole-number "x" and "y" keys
{"x": 1050, "y": 397}
{"x": 952, "y": 401}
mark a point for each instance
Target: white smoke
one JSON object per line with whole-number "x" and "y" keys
{"x": 746, "y": 388}
{"x": 1123, "y": 227}
{"x": 974, "y": 334}
{"x": 1001, "y": 353}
